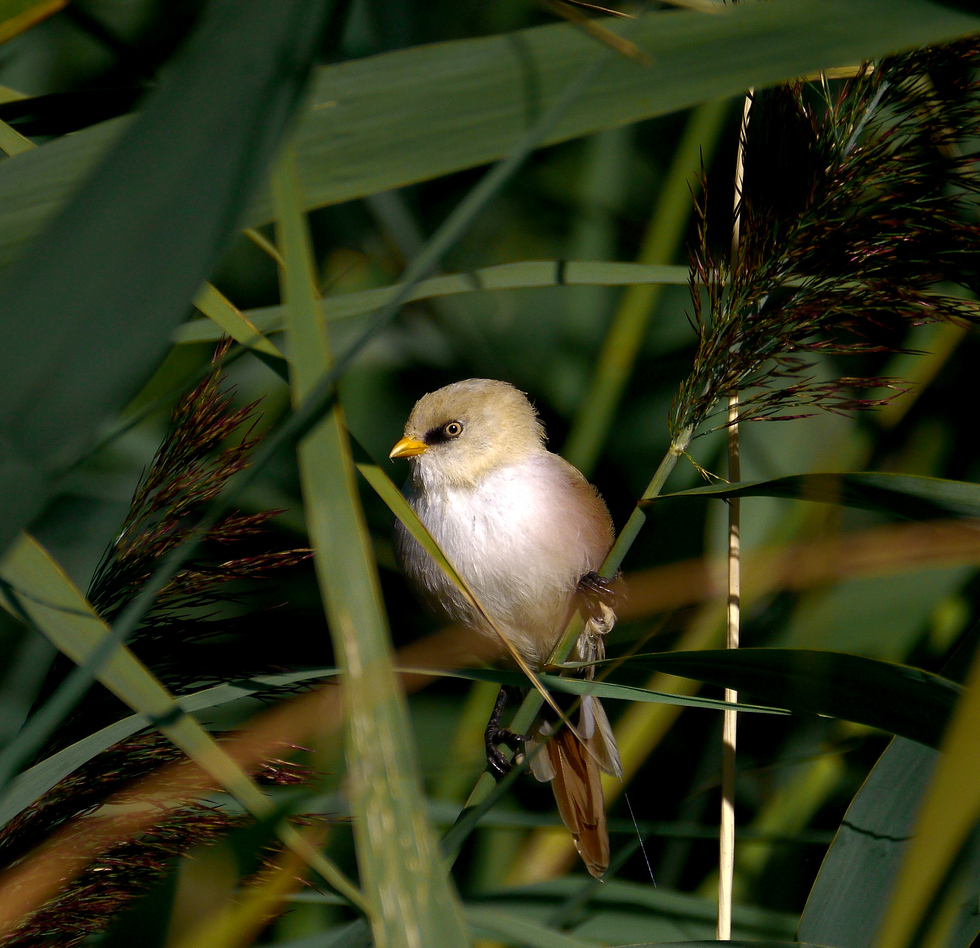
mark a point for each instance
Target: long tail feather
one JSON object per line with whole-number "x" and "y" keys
{"x": 578, "y": 792}
{"x": 599, "y": 735}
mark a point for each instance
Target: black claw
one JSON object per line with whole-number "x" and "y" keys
{"x": 498, "y": 763}
{"x": 596, "y": 590}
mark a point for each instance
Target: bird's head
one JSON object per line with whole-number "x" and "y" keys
{"x": 458, "y": 434}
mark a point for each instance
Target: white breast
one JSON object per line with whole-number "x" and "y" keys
{"x": 521, "y": 538}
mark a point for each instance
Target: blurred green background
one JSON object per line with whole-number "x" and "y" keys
{"x": 622, "y": 194}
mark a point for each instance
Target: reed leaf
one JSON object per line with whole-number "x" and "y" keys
{"x": 636, "y": 913}
{"x": 360, "y": 135}
{"x": 896, "y": 698}
{"x": 505, "y": 276}
{"x": 850, "y": 895}
{"x": 139, "y": 237}
{"x": 945, "y": 820}
{"x": 902, "y": 495}
{"x": 34, "y": 585}
{"x": 31, "y": 784}
{"x": 412, "y": 901}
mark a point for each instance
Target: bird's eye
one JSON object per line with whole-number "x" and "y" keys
{"x": 453, "y": 430}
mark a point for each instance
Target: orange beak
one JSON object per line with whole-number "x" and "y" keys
{"x": 408, "y": 448}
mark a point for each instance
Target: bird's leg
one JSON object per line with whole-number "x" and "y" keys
{"x": 596, "y": 589}
{"x": 599, "y": 600}
{"x": 597, "y": 597}
{"x": 495, "y": 734}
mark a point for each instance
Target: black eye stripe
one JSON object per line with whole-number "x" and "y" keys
{"x": 443, "y": 433}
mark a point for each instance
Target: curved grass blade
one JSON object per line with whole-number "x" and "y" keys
{"x": 88, "y": 311}
{"x": 413, "y": 900}
{"x": 17, "y": 16}
{"x": 905, "y": 701}
{"x": 516, "y": 929}
{"x": 903, "y": 495}
{"x": 505, "y": 276}
{"x": 850, "y": 895}
{"x": 36, "y": 586}
{"x": 360, "y": 135}
{"x": 601, "y": 689}
{"x": 653, "y": 911}
{"x": 659, "y": 915}
{"x": 28, "y": 786}
{"x": 948, "y": 815}
{"x": 230, "y": 319}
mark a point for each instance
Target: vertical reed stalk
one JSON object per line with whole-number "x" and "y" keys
{"x": 726, "y": 842}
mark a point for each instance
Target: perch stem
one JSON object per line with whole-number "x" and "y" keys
{"x": 726, "y": 834}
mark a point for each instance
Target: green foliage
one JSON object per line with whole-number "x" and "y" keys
{"x": 860, "y": 205}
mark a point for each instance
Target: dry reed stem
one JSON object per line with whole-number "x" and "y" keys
{"x": 726, "y": 831}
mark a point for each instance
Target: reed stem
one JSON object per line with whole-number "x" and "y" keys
{"x": 726, "y": 832}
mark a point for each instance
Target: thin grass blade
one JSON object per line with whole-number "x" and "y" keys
{"x": 361, "y": 135}
{"x": 518, "y": 930}
{"x": 87, "y": 313}
{"x": 413, "y": 902}
{"x": 903, "y": 495}
{"x": 35, "y": 585}
{"x": 17, "y": 16}
{"x": 505, "y": 276}
{"x": 896, "y": 698}
{"x": 31, "y": 784}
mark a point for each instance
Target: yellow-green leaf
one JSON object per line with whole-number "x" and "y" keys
{"x": 16, "y": 16}
{"x": 949, "y": 812}
{"x": 230, "y": 319}
{"x": 398, "y": 857}
{"x": 57, "y": 607}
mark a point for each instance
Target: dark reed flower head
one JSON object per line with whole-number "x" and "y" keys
{"x": 199, "y": 454}
{"x": 129, "y": 868}
{"x": 209, "y": 441}
{"x": 858, "y": 218}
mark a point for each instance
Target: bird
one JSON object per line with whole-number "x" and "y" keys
{"x": 528, "y": 534}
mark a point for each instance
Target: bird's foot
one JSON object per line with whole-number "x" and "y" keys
{"x": 594, "y": 587}
{"x": 599, "y": 600}
{"x": 497, "y": 761}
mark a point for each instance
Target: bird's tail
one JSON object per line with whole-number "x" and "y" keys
{"x": 574, "y": 768}
{"x": 574, "y": 765}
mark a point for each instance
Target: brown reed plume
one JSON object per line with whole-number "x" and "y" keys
{"x": 857, "y": 222}
{"x": 209, "y": 440}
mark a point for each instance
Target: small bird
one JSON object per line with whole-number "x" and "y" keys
{"x": 527, "y": 532}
